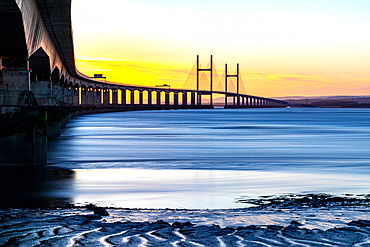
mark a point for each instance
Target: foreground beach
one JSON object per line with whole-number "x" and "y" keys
{"x": 72, "y": 225}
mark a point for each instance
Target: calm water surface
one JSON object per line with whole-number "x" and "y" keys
{"x": 209, "y": 158}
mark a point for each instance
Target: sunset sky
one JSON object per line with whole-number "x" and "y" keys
{"x": 284, "y": 47}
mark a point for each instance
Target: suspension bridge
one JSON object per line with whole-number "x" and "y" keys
{"x": 198, "y": 91}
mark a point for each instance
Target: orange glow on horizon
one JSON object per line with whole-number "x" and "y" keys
{"x": 134, "y": 73}
{"x": 256, "y": 83}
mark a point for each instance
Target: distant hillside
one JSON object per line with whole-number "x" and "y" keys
{"x": 314, "y": 101}
{"x": 327, "y": 101}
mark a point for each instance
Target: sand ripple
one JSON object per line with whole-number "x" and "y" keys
{"x": 80, "y": 227}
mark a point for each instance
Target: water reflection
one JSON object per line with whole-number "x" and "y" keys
{"x": 208, "y": 158}
{"x": 201, "y": 189}
{"x": 35, "y": 187}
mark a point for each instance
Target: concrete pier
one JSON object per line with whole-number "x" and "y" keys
{"x": 23, "y": 136}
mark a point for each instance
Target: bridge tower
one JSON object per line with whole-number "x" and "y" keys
{"x": 199, "y": 96}
{"x": 237, "y": 84}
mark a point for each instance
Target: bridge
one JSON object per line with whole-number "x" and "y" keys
{"x": 37, "y": 57}
{"x": 40, "y": 87}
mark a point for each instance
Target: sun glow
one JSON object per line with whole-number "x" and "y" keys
{"x": 283, "y": 48}
{"x": 134, "y": 72}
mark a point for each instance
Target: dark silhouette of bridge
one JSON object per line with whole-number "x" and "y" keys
{"x": 41, "y": 89}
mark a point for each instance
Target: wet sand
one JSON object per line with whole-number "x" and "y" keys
{"x": 339, "y": 226}
{"x": 302, "y": 220}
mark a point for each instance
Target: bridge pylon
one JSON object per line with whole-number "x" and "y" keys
{"x": 237, "y": 84}
{"x": 199, "y": 96}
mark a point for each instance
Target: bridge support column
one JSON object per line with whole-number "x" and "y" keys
{"x": 114, "y": 97}
{"x": 193, "y": 98}
{"x": 90, "y": 96}
{"x": 84, "y": 99}
{"x": 97, "y": 96}
{"x": 106, "y": 96}
{"x": 167, "y": 98}
{"x": 63, "y": 96}
{"x": 149, "y": 97}
{"x": 83, "y": 96}
{"x": 238, "y": 100}
{"x": 43, "y": 92}
{"x": 14, "y": 81}
{"x": 24, "y": 139}
{"x": 176, "y": 99}
{"x": 76, "y": 96}
{"x": 132, "y": 97}
{"x": 70, "y": 95}
{"x": 158, "y": 98}
{"x": 140, "y": 97}
{"x": 184, "y": 98}
{"x": 57, "y": 92}
{"x": 123, "y": 96}
{"x": 199, "y": 99}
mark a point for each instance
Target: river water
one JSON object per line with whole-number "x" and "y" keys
{"x": 208, "y": 158}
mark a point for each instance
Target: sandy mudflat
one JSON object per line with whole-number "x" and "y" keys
{"x": 324, "y": 226}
